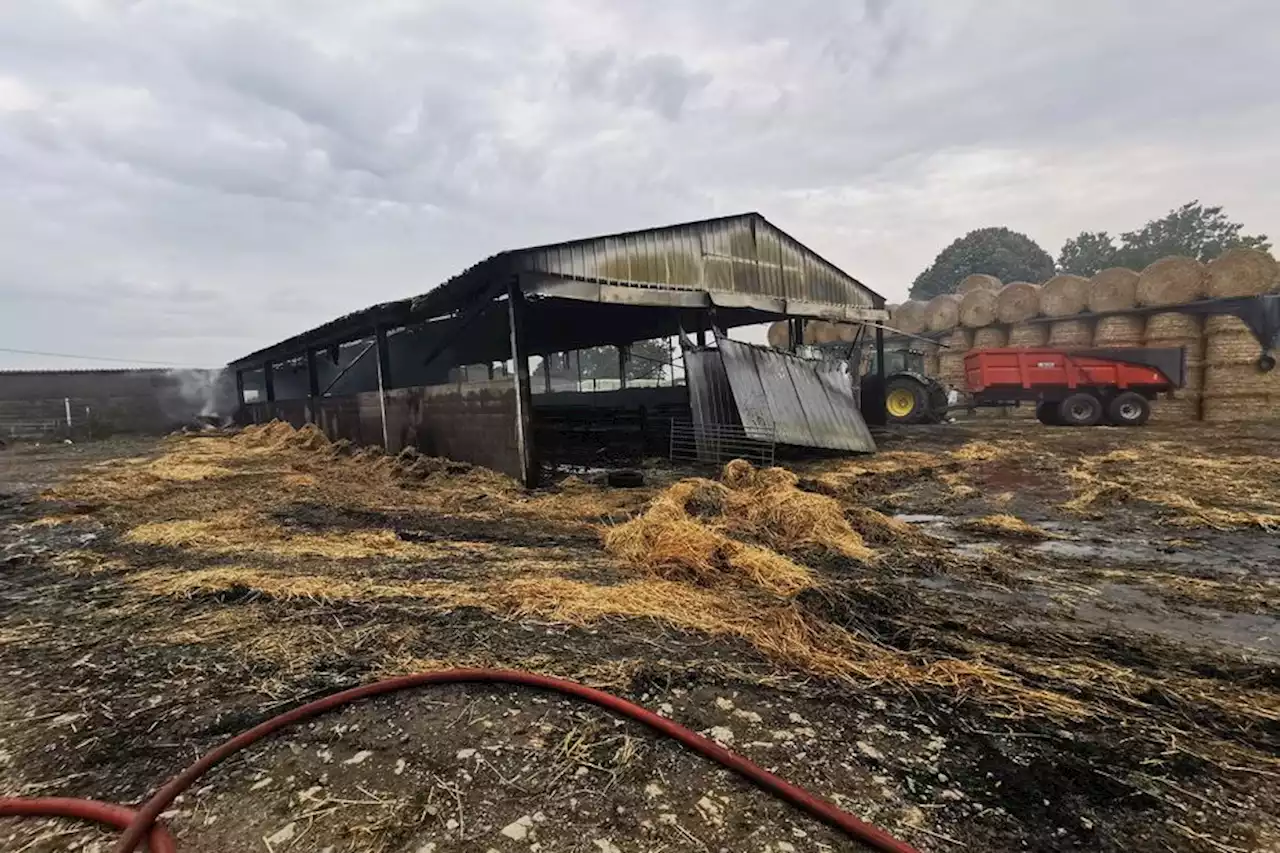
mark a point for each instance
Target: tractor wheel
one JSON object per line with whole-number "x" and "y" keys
{"x": 906, "y": 401}
{"x": 1128, "y": 409}
{"x": 1047, "y": 413}
{"x": 1080, "y": 409}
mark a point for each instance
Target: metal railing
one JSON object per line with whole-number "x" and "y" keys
{"x": 717, "y": 443}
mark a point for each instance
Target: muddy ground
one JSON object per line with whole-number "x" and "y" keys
{"x": 1073, "y": 646}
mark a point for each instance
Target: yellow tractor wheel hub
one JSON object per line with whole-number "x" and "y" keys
{"x": 900, "y": 402}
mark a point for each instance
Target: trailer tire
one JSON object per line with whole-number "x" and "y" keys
{"x": 1047, "y": 413}
{"x": 1128, "y": 409}
{"x": 1080, "y": 409}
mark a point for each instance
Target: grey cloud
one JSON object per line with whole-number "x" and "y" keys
{"x": 659, "y": 82}
{"x": 195, "y": 179}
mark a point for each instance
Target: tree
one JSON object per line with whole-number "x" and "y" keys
{"x": 1192, "y": 230}
{"x": 649, "y": 360}
{"x": 1087, "y": 253}
{"x": 1005, "y": 254}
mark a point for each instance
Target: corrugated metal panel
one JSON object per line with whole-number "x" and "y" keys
{"x": 811, "y": 404}
{"x": 710, "y": 396}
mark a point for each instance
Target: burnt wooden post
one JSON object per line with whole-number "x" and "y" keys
{"x": 524, "y": 395}
{"x": 239, "y": 389}
{"x": 269, "y": 381}
{"x": 622, "y": 365}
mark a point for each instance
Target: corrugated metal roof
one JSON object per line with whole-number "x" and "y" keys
{"x": 743, "y": 255}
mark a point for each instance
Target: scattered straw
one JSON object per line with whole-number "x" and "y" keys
{"x": 1005, "y": 525}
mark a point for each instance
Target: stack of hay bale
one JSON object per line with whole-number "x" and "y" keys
{"x": 1115, "y": 289}
{"x": 1017, "y": 303}
{"x": 1062, "y": 297}
{"x": 1223, "y": 380}
{"x": 1175, "y": 329}
{"x": 1235, "y": 388}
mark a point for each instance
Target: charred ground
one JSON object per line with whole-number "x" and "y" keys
{"x": 995, "y": 636}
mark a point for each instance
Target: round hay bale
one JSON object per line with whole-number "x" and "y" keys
{"x": 951, "y": 368}
{"x": 932, "y": 366}
{"x": 1234, "y": 409}
{"x": 1194, "y": 380}
{"x": 825, "y": 333}
{"x": 1018, "y": 302}
{"x": 960, "y": 340}
{"x": 910, "y": 317}
{"x": 1175, "y": 329}
{"x": 1072, "y": 334}
{"x": 779, "y": 335}
{"x": 1172, "y": 281}
{"x": 977, "y": 281}
{"x": 847, "y": 332}
{"x": 1173, "y": 325}
{"x": 990, "y": 337}
{"x": 1241, "y": 272}
{"x": 819, "y": 332}
{"x": 1064, "y": 295}
{"x": 1113, "y": 289}
{"x": 1029, "y": 335}
{"x": 1176, "y": 408}
{"x": 1228, "y": 342}
{"x": 978, "y": 308}
{"x": 1120, "y": 330}
{"x": 1239, "y": 380}
{"x": 942, "y": 313}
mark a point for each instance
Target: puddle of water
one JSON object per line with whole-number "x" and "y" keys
{"x": 924, "y": 519}
{"x": 1147, "y": 613}
{"x": 1136, "y": 552}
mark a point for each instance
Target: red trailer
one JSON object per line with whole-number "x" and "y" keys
{"x": 1076, "y": 387}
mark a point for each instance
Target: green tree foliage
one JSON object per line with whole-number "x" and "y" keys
{"x": 1192, "y": 230}
{"x": 1087, "y": 254}
{"x": 1005, "y": 254}
{"x": 648, "y": 361}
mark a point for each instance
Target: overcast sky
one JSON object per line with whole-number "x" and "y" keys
{"x": 186, "y": 181}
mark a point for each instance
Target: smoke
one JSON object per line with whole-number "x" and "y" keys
{"x": 200, "y": 393}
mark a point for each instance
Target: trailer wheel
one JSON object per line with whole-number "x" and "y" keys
{"x": 1047, "y": 413}
{"x": 906, "y": 401}
{"x": 1080, "y": 409}
{"x": 1128, "y": 409}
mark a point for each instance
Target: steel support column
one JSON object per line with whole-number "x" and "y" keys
{"x": 239, "y": 389}
{"x": 313, "y": 388}
{"x": 384, "y": 356}
{"x": 873, "y": 411}
{"x": 269, "y": 381}
{"x": 524, "y": 395}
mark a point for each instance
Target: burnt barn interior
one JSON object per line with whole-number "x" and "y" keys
{"x": 576, "y": 352}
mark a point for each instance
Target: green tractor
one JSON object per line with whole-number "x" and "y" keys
{"x": 910, "y": 397}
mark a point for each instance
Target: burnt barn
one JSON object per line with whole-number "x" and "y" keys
{"x": 583, "y": 352}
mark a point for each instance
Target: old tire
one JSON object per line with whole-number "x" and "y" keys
{"x": 1128, "y": 409}
{"x": 625, "y": 478}
{"x": 906, "y": 401}
{"x": 1047, "y": 413}
{"x": 1080, "y": 409}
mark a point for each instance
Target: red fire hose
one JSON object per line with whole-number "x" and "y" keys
{"x": 144, "y": 820}
{"x": 158, "y": 841}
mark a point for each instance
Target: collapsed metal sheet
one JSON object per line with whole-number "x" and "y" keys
{"x": 808, "y": 403}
